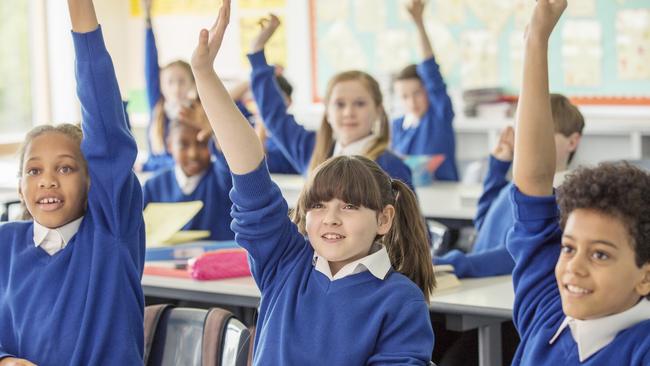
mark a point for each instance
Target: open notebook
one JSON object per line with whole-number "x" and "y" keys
{"x": 445, "y": 277}
{"x": 164, "y": 221}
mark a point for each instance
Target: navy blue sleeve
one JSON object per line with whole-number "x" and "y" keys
{"x": 495, "y": 262}
{"x": 494, "y": 182}
{"x": 296, "y": 142}
{"x": 534, "y": 243}
{"x": 115, "y": 196}
{"x": 262, "y": 226}
{"x": 151, "y": 69}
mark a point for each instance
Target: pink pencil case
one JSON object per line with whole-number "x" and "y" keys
{"x": 218, "y": 264}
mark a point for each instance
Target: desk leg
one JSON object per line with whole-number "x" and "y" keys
{"x": 489, "y": 345}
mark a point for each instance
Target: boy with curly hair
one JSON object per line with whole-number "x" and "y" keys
{"x": 595, "y": 310}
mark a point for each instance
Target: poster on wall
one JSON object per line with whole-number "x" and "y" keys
{"x": 168, "y": 7}
{"x": 633, "y": 44}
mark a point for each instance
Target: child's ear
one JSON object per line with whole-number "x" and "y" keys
{"x": 20, "y": 190}
{"x": 643, "y": 287}
{"x": 385, "y": 219}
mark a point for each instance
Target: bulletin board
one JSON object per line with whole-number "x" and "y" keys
{"x": 600, "y": 51}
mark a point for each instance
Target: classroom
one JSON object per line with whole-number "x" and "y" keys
{"x": 264, "y": 182}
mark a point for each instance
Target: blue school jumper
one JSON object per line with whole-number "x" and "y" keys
{"x": 306, "y": 319}
{"x": 83, "y": 305}
{"x": 435, "y": 132}
{"x": 293, "y": 139}
{"x": 535, "y": 245}
{"x": 213, "y": 190}
{"x": 275, "y": 159}
{"x": 152, "y": 77}
{"x": 493, "y": 220}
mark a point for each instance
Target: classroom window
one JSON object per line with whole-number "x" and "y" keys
{"x": 15, "y": 80}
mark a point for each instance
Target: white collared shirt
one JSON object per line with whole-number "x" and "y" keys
{"x": 410, "y": 121}
{"x": 54, "y": 240}
{"x": 594, "y": 334}
{"x": 377, "y": 262}
{"x": 185, "y": 183}
{"x": 358, "y": 147}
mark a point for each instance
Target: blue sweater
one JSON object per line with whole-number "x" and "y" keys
{"x": 435, "y": 133}
{"x": 535, "y": 245}
{"x": 493, "y": 220}
{"x": 306, "y": 319}
{"x": 83, "y": 305}
{"x": 152, "y": 78}
{"x": 213, "y": 190}
{"x": 275, "y": 159}
{"x": 292, "y": 138}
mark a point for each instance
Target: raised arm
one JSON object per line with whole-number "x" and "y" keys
{"x": 82, "y": 16}
{"x": 416, "y": 10}
{"x": 495, "y": 180}
{"x": 291, "y": 137}
{"x": 534, "y": 162}
{"x": 151, "y": 66}
{"x": 115, "y": 196}
{"x": 238, "y": 140}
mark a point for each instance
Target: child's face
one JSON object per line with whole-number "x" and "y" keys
{"x": 351, "y": 111}
{"x": 342, "y": 233}
{"x": 596, "y": 272}
{"x": 54, "y": 182}
{"x": 413, "y": 96}
{"x": 564, "y": 146}
{"x": 192, "y": 155}
{"x": 176, "y": 85}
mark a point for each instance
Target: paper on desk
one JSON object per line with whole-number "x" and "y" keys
{"x": 164, "y": 219}
{"x": 185, "y": 236}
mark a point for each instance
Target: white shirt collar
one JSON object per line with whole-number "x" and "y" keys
{"x": 187, "y": 184}
{"x": 410, "y": 121}
{"x": 377, "y": 262}
{"x": 358, "y": 147}
{"x": 53, "y": 240}
{"x": 594, "y": 334}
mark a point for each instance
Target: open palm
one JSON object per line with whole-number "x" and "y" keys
{"x": 210, "y": 41}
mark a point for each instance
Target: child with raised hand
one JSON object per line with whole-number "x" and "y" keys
{"x": 426, "y": 129}
{"x": 329, "y": 293}
{"x": 494, "y": 218}
{"x": 595, "y": 310}
{"x": 354, "y": 123}
{"x": 198, "y": 174}
{"x": 171, "y": 91}
{"x": 71, "y": 278}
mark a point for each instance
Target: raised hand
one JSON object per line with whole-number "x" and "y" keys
{"x": 195, "y": 116}
{"x": 146, "y": 6}
{"x": 416, "y": 10}
{"x": 268, "y": 27}
{"x": 210, "y": 41}
{"x": 504, "y": 150}
{"x": 545, "y": 16}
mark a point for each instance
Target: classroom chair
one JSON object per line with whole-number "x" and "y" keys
{"x": 194, "y": 337}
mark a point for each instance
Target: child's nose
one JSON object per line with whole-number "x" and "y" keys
{"x": 331, "y": 217}
{"x": 48, "y": 180}
{"x": 577, "y": 264}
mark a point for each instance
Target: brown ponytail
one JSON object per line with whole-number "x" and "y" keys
{"x": 407, "y": 241}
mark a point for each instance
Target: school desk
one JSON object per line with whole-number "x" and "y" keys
{"x": 481, "y": 304}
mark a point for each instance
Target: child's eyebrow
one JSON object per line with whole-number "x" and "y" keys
{"x": 58, "y": 156}
{"x": 595, "y": 241}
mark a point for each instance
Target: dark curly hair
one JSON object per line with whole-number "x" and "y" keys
{"x": 617, "y": 189}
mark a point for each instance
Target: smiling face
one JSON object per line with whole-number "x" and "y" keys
{"x": 351, "y": 111}
{"x": 342, "y": 232}
{"x": 176, "y": 83}
{"x": 192, "y": 155}
{"x": 413, "y": 96}
{"x": 54, "y": 182}
{"x": 596, "y": 272}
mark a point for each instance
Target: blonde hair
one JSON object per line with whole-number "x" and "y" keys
{"x": 68, "y": 129}
{"x": 360, "y": 181}
{"x": 158, "y": 125}
{"x": 325, "y": 135}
